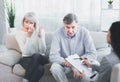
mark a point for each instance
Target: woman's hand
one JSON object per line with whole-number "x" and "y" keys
{"x": 30, "y": 30}
{"x": 87, "y": 62}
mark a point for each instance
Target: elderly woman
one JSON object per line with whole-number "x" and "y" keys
{"x": 31, "y": 40}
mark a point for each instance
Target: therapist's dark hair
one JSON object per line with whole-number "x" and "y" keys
{"x": 115, "y": 37}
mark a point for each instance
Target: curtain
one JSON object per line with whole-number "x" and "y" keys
{"x": 51, "y": 12}
{"x": 3, "y": 27}
{"x": 2, "y": 23}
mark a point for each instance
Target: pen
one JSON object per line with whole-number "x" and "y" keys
{"x": 78, "y": 58}
{"x": 93, "y": 75}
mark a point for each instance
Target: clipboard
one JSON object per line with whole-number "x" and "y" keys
{"x": 75, "y": 61}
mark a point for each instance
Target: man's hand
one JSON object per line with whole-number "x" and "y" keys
{"x": 77, "y": 74}
{"x": 66, "y": 63}
{"x": 82, "y": 75}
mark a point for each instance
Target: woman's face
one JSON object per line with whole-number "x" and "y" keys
{"x": 28, "y": 24}
{"x": 108, "y": 37}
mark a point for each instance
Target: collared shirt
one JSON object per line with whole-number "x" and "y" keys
{"x": 63, "y": 45}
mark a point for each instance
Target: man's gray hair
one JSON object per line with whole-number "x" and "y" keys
{"x": 69, "y": 18}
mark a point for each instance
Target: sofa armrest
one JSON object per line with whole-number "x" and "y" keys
{"x": 115, "y": 75}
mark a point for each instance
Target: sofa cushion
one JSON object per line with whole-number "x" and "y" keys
{"x": 11, "y": 43}
{"x": 99, "y": 39}
{"x": 103, "y": 52}
{"x": 10, "y": 57}
{"x": 7, "y": 76}
{"x": 48, "y": 40}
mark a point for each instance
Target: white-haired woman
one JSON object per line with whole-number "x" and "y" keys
{"x": 31, "y": 40}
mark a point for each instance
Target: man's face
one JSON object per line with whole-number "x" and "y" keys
{"x": 71, "y": 28}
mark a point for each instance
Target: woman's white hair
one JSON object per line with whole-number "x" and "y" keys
{"x": 32, "y": 17}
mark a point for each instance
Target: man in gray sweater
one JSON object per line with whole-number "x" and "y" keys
{"x": 69, "y": 40}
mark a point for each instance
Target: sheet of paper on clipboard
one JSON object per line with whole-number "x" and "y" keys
{"x": 75, "y": 61}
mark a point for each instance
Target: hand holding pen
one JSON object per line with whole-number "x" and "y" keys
{"x": 85, "y": 61}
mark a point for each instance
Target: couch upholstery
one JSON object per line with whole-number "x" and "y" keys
{"x": 13, "y": 54}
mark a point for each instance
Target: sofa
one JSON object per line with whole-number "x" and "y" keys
{"x": 13, "y": 54}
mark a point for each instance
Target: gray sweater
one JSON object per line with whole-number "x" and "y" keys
{"x": 63, "y": 46}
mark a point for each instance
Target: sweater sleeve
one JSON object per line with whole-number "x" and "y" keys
{"x": 42, "y": 44}
{"x": 104, "y": 71}
{"x": 55, "y": 56}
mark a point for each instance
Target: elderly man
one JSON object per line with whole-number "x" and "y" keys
{"x": 68, "y": 40}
